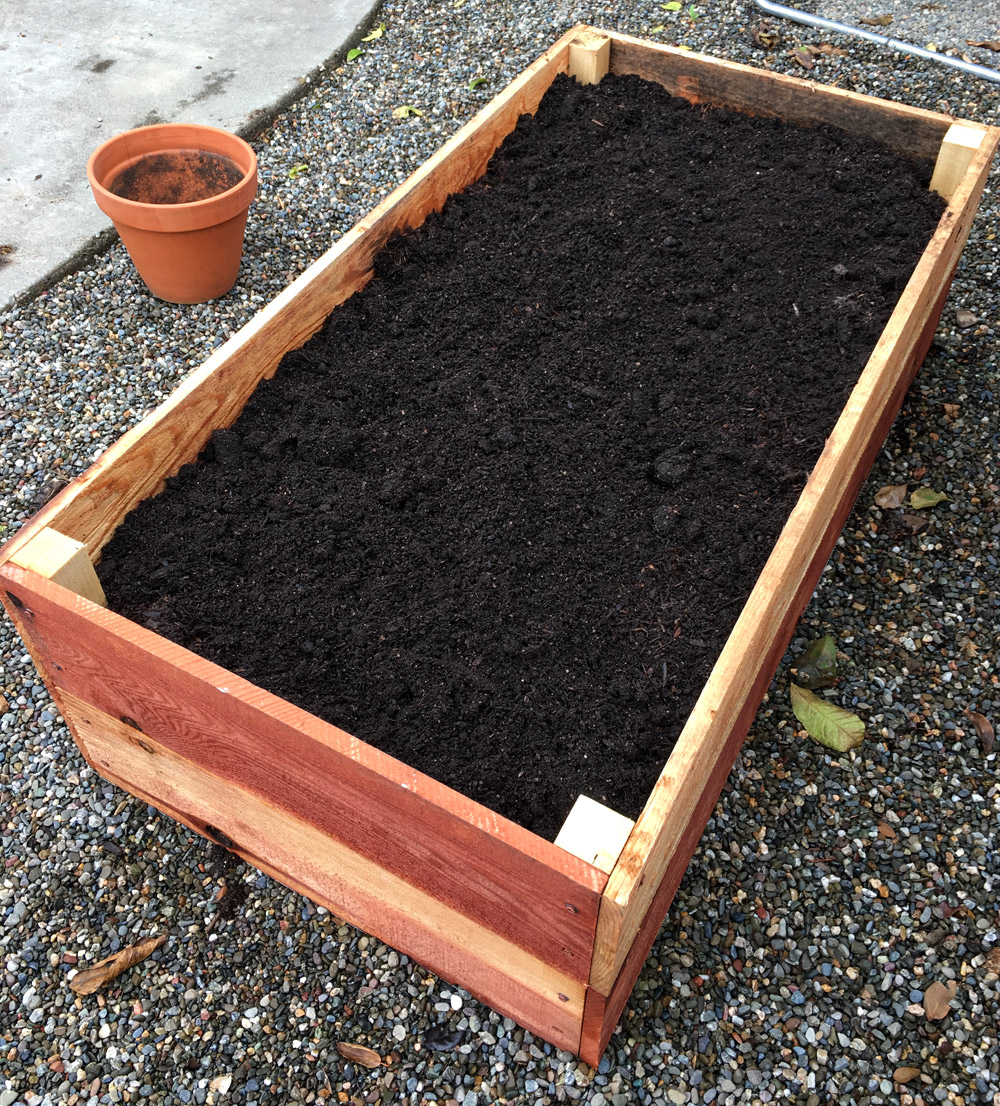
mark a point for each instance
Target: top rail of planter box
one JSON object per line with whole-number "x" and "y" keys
{"x": 566, "y": 969}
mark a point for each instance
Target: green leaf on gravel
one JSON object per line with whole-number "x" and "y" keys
{"x": 827, "y": 723}
{"x": 355, "y": 53}
{"x": 405, "y": 111}
{"x": 926, "y": 497}
{"x": 656, "y": 30}
{"x": 817, "y": 667}
{"x": 672, "y": 6}
{"x": 297, "y": 171}
{"x": 692, "y": 14}
{"x": 477, "y": 81}
{"x": 377, "y": 33}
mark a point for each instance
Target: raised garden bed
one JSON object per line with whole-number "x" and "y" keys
{"x": 551, "y": 934}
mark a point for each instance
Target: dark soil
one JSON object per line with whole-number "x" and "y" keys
{"x": 177, "y": 177}
{"x": 499, "y": 517}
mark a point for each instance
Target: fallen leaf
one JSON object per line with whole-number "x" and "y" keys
{"x": 988, "y": 44}
{"x": 886, "y": 831}
{"x": 765, "y": 35}
{"x": 993, "y": 961}
{"x": 405, "y": 111}
{"x": 356, "y": 52}
{"x": 951, "y": 411}
{"x": 828, "y": 48}
{"x": 672, "y": 6}
{"x": 914, "y": 523}
{"x": 296, "y": 171}
{"x": 905, "y": 1075}
{"x": 984, "y": 728}
{"x": 891, "y": 495}
{"x": 827, "y": 723}
{"x": 656, "y": 30}
{"x": 938, "y": 998}
{"x": 876, "y": 20}
{"x": 477, "y": 81}
{"x": 926, "y": 497}
{"x": 221, "y": 1084}
{"x": 442, "y": 1039}
{"x": 817, "y": 667}
{"x": 377, "y": 33}
{"x": 802, "y": 56}
{"x": 93, "y": 979}
{"x": 359, "y": 1054}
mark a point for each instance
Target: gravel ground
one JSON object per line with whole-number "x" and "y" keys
{"x": 828, "y": 893}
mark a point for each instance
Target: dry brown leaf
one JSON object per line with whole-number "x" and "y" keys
{"x": 765, "y": 35}
{"x": 989, "y": 44}
{"x": 891, "y": 496}
{"x": 802, "y": 56}
{"x": 951, "y": 411}
{"x": 829, "y": 48}
{"x": 904, "y": 1075}
{"x": 914, "y": 523}
{"x": 938, "y": 998}
{"x": 876, "y": 20}
{"x": 886, "y": 831}
{"x": 984, "y": 728}
{"x": 993, "y": 961}
{"x": 359, "y": 1054}
{"x": 93, "y": 979}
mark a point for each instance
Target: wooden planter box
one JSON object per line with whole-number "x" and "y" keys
{"x": 553, "y": 935}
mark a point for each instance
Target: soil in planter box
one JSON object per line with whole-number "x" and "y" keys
{"x": 500, "y": 516}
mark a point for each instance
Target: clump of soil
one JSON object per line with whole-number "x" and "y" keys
{"x": 499, "y": 517}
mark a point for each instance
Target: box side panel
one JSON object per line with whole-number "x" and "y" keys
{"x": 519, "y": 985}
{"x": 667, "y": 831}
{"x": 136, "y": 466}
{"x": 500, "y": 876}
{"x": 705, "y": 80}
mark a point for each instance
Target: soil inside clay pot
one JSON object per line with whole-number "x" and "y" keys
{"x": 499, "y": 517}
{"x": 177, "y": 177}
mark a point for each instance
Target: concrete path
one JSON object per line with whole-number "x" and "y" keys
{"x": 75, "y": 74}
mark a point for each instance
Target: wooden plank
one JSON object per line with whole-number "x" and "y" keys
{"x": 294, "y": 852}
{"x": 960, "y": 144}
{"x": 594, "y": 833}
{"x": 496, "y": 873}
{"x": 136, "y": 466}
{"x": 673, "y": 819}
{"x": 703, "y": 80}
{"x": 63, "y": 560}
{"x": 589, "y": 56}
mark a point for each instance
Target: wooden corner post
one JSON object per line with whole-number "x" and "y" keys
{"x": 589, "y": 56}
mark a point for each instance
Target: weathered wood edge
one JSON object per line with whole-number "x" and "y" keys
{"x": 910, "y": 131}
{"x": 135, "y": 467}
{"x": 361, "y": 892}
{"x": 708, "y": 736}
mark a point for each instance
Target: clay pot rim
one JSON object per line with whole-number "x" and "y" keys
{"x": 137, "y": 213}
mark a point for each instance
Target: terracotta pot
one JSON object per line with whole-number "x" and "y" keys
{"x": 178, "y": 195}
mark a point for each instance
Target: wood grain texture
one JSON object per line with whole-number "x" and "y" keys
{"x": 63, "y": 560}
{"x": 355, "y": 888}
{"x": 589, "y": 56}
{"x": 498, "y": 874}
{"x": 135, "y": 467}
{"x": 668, "y": 829}
{"x": 704, "y": 80}
{"x": 957, "y": 150}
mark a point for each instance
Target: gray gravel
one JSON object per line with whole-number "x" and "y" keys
{"x": 828, "y": 893}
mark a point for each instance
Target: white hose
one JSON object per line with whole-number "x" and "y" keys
{"x": 797, "y": 16}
